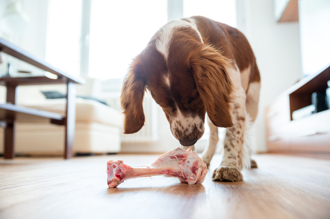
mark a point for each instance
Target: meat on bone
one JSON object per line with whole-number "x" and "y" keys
{"x": 183, "y": 164}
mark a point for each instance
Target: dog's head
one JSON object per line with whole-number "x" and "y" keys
{"x": 186, "y": 78}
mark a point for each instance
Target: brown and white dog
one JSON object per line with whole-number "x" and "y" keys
{"x": 191, "y": 67}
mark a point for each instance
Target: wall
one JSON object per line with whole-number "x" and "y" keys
{"x": 3, "y": 4}
{"x": 33, "y": 41}
{"x": 277, "y": 49}
{"x": 314, "y": 22}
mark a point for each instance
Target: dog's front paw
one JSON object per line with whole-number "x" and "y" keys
{"x": 227, "y": 174}
{"x": 254, "y": 164}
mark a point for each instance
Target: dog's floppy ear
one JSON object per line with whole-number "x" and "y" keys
{"x": 213, "y": 83}
{"x": 132, "y": 98}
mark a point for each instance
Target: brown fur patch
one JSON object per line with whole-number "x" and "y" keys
{"x": 149, "y": 61}
{"x": 213, "y": 83}
{"x": 233, "y": 43}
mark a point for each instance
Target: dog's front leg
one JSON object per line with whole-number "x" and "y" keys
{"x": 236, "y": 153}
{"x": 212, "y": 143}
{"x": 229, "y": 169}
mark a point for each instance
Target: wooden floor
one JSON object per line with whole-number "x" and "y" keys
{"x": 282, "y": 187}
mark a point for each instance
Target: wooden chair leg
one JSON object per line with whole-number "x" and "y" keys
{"x": 70, "y": 119}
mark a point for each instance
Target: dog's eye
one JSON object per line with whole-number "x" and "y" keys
{"x": 190, "y": 100}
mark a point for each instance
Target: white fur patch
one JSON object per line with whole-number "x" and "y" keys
{"x": 245, "y": 77}
{"x": 186, "y": 124}
{"x": 238, "y": 95}
{"x": 235, "y": 77}
{"x": 194, "y": 26}
{"x": 254, "y": 91}
{"x": 165, "y": 35}
{"x": 167, "y": 80}
{"x": 252, "y": 100}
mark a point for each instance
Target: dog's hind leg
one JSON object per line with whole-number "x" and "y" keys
{"x": 212, "y": 143}
{"x": 252, "y": 102}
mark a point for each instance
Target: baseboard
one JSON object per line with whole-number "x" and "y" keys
{"x": 323, "y": 156}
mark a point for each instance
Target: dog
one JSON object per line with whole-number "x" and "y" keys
{"x": 191, "y": 67}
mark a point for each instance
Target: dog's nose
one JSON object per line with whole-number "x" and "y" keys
{"x": 188, "y": 141}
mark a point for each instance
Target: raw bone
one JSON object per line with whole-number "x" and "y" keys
{"x": 186, "y": 165}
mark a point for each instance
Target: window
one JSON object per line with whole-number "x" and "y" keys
{"x": 63, "y": 35}
{"x": 220, "y": 10}
{"x": 119, "y": 31}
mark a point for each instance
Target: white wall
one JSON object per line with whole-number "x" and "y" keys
{"x": 277, "y": 49}
{"x": 33, "y": 41}
{"x": 314, "y": 22}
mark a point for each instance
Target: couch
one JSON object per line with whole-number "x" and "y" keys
{"x": 98, "y": 127}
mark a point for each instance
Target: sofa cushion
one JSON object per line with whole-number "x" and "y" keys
{"x": 86, "y": 110}
{"x": 59, "y": 95}
{"x": 46, "y": 139}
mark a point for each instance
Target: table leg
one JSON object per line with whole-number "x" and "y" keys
{"x": 9, "y": 132}
{"x": 9, "y": 140}
{"x": 70, "y": 119}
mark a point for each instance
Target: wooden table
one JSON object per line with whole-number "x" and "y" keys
{"x": 10, "y": 113}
